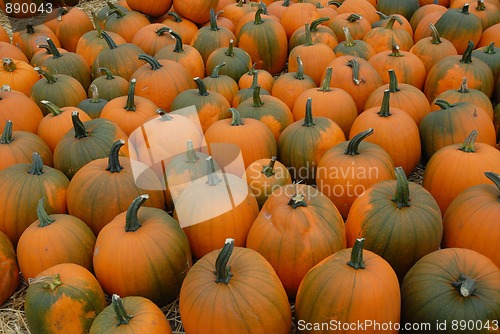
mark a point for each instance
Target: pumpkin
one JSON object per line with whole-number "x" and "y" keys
{"x": 109, "y": 85}
{"x": 296, "y": 16}
{"x": 18, "y": 146}
{"x": 296, "y": 228}
{"x": 125, "y": 23}
{"x": 357, "y": 24}
{"x": 490, "y": 35}
{"x": 29, "y": 39}
{"x": 87, "y": 141}
{"x": 268, "y": 109}
{"x": 400, "y": 221}
{"x": 471, "y": 220}
{"x": 64, "y": 298}
{"x": 225, "y": 207}
{"x": 184, "y": 54}
{"x": 463, "y": 280}
{"x": 54, "y": 239}
{"x": 424, "y": 11}
{"x": 264, "y": 176}
{"x": 449, "y": 72}
{"x": 362, "y": 7}
{"x": 460, "y": 27}
{"x": 94, "y": 104}
{"x": 124, "y": 239}
{"x": 348, "y": 169}
{"x": 152, "y": 37}
{"x": 9, "y": 269}
{"x": 9, "y": 50}
{"x": 277, "y": 8}
{"x": 26, "y": 118}
{"x": 472, "y": 159}
{"x": 385, "y": 19}
{"x": 129, "y": 111}
{"x": 19, "y": 75}
{"x": 351, "y": 47}
{"x": 406, "y": 8}
{"x": 69, "y": 25}
{"x": 319, "y": 31}
{"x": 221, "y": 83}
{"x": 266, "y": 42}
{"x": 332, "y": 292}
{"x": 61, "y": 89}
{"x": 459, "y": 119}
{"x": 38, "y": 181}
{"x": 423, "y": 28}
{"x": 151, "y": 8}
{"x": 102, "y": 14}
{"x": 235, "y": 10}
{"x": 184, "y": 27}
{"x": 345, "y": 111}
{"x": 42, "y": 54}
{"x": 219, "y": 279}
{"x": 90, "y": 199}
{"x": 491, "y": 56}
{"x": 56, "y": 123}
{"x": 302, "y": 144}
{"x": 197, "y": 11}
{"x": 383, "y": 38}
{"x": 403, "y": 143}
{"x": 402, "y": 96}
{"x": 256, "y": 76}
{"x": 130, "y": 314}
{"x": 488, "y": 12}
{"x": 238, "y": 61}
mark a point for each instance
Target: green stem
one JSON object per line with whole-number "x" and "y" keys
{"x": 465, "y": 9}
{"x": 49, "y": 77}
{"x": 114, "y": 159}
{"x": 382, "y": 16}
{"x": 162, "y": 31}
{"x": 393, "y": 81}
{"x": 176, "y": 17}
{"x": 392, "y": 20}
{"x": 120, "y": 14}
{"x": 465, "y": 285}
{"x": 80, "y": 131}
{"x": 467, "y": 56}
{"x": 268, "y": 170}
{"x": 469, "y": 142}
{"x": 356, "y": 262}
{"x": 353, "y": 145}
{"x": 307, "y": 36}
{"x": 212, "y": 178}
{"x": 325, "y": 84}
{"x": 435, "y": 38}
{"x": 308, "y": 119}
{"x": 354, "y": 17}
{"x": 120, "y": 312}
{"x": 297, "y": 200}
{"x": 6, "y": 137}
{"x": 236, "y": 117}
{"x": 109, "y": 75}
{"x": 152, "y": 61}
{"x": 50, "y": 106}
{"x": 49, "y": 282}
{"x": 8, "y": 64}
{"x": 442, "y": 104}
{"x": 315, "y": 24}
{"x": 230, "y": 49}
{"x": 385, "y": 110}
{"x": 42, "y": 215}
{"x": 109, "y": 41}
{"x": 216, "y": 70}
{"x": 348, "y": 38}
{"x": 257, "y": 100}
{"x": 402, "y": 195}
{"x": 191, "y": 156}
{"x": 130, "y": 104}
{"x": 132, "y": 223}
{"x": 490, "y": 49}
{"x": 36, "y": 165}
{"x": 95, "y": 23}
{"x": 46, "y": 47}
{"x": 61, "y": 12}
{"x": 395, "y": 51}
{"x": 286, "y": 3}
{"x": 53, "y": 49}
{"x": 179, "y": 47}
{"x": 258, "y": 16}
{"x": 354, "y": 64}
{"x": 213, "y": 20}
{"x": 222, "y": 269}
{"x": 495, "y": 178}
{"x": 464, "y": 88}
{"x": 480, "y": 6}
{"x": 164, "y": 116}
{"x": 202, "y": 88}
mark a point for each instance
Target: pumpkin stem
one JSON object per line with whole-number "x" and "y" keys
{"x": 46, "y": 47}
{"x": 162, "y": 31}
{"x": 382, "y": 16}
{"x": 236, "y": 117}
{"x": 121, "y": 313}
{"x": 325, "y": 84}
{"x": 465, "y": 9}
{"x": 179, "y": 46}
{"x": 113, "y": 159}
{"x": 258, "y": 16}
{"x": 307, "y": 35}
{"x": 6, "y": 137}
{"x": 222, "y": 269}
{"x": 469, "y": 143}
{"x": 94, "y": 94}
{"x": 216, "y": 70}
{"x": 255, "y": 74}
{"x": 308, "y": 119}
{"x": 402, "y": 196}
{"x": 348, "y": 38}
{"x": 109, "y": 41}
{"x": 257, "y": 100}
{"x": 164, "y": 116}
{"x": 354, "y": 17}
{"x": 49, "y": 77}
{"x": 80, "y": 131}
{"x": 286, "y": 3}
{"x": 212, "y": 178}
{"x": 152, "y": 61}
{"x": 315, "y": 24}
{"x": 297, "y": 200}
{"x": 494, "y": 177}
{"x": 442, "y": 104}
{"x": 392, "y": 20}
{"x": 299, "y": 75}
{"x": 465, "y": 285}
{"x": 393, "y": 81}
{"x": 435, "y": 38}
{"x": 356, "y": 262}
{"x": 175, "y": 17}
{"x": 385, "y": 110}
{"x": 480, "y": 5}
{"x": 230, "y": 49}
{"x": 42, "y": 215}
{"x": 132, "y": 223}
{"x": 116, "y": 11}
{"x": 268, "y": 170}
{"x": 130, "y": 104}
{"x": 30, "y": 29}
{"x": 36, "y": 165}
{"x": 467, "y": 56}
{"x": 191, "y": 156}
{"x": 8, "y": 64}
{"x": 490, "y": 49}
{"x": 53, "y": 49}
{"x": 213, "y": 20}
{"x": 50, "y": 106}
{"x": 96, "y": 24}
{"x": 51, "y": 282}
{"x": 353, "y": 145}
{"x": 464, "y": 88}
{"x": 109, "y": 75}
{"x": 202, "y": 88}
{"x": 354, "y": 64}
{"x": 395, "y": 51}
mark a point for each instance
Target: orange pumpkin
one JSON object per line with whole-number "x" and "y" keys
{"x": 351, "y": 47}
{"x": 18, "y": 74}
{"x": 9, "y": 268}
{"x": 26, "y": 118}
{"x": 221, "y": 83}
{"x": 197, "y": 11}
{"x": 152, "y": 37}
{"x": 70, "y": 24}
{"x": 383, "y": 38}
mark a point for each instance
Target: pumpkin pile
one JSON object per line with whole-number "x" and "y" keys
{"x": 239, "y": 156}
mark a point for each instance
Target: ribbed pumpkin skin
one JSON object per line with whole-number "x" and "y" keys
{"x": 71, "y": 307}
{"x": 266, "y": 42}
{"x": 400, "y": 235}
{"x": 428, "y": 295}
{"x": 471, "y": 221}
{"x": 146, "y": 317}
{"x": 294, "y": 240}
{"x": 334, "y": 291}
{"x": 197, "y": 11}
{"x": 92, "y": 43}
{"x": 69, "y": 25}
{"x": 8, "y": 268}
{"x": 254, "y": 278}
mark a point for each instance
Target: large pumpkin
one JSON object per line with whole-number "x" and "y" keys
{"x": 228, "y": 279}
{"x": 26, "y": 118}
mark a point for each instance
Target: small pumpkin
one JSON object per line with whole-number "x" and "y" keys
{"x": 383, "y": 38}
{"x": 109, "y": 85}
{"x": 221, "y": 83}
{"x": 184, "y": 27}
{"x": 238, "y": 61}
{"x": 19, "y": 75}
{"x": 94, "y": 104}
{"x": 352, "y": 47}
